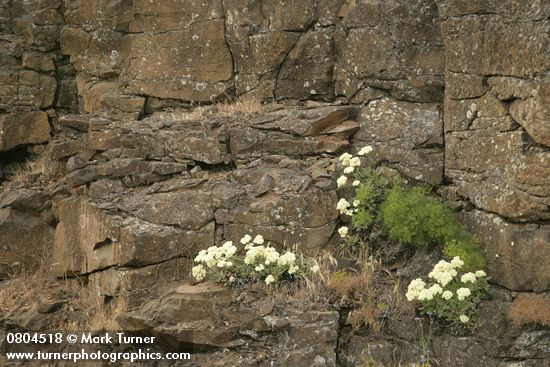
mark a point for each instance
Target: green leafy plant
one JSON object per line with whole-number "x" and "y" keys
{"x": 222, "y": 264}
{"x": 368, "y": 189}
{"x": 409, "y": 215}
{"x": 451, "y": 294}
{"x": 467, "y": 248}
{"x": 415, "y": 217}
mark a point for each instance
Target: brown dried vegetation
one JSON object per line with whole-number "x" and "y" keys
{"x": 372, "y": 293}
{"x": 81, "y": 308}
{"x": 534, "y": 309}
{"x": 21, "y": 290}
{"x": 35, "y": 166}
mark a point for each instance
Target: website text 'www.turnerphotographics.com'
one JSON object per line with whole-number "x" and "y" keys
{"x": 85, "y": 346}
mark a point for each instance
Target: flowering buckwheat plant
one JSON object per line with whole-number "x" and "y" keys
{"x": 258, "y": 263}
{"x": 366, "y": 188}
{"x": 450, "y": 294}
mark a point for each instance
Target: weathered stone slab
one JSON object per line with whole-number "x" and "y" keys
{"x": 496, "y": 109}
{"x": 190, "y": 209}
{"x": 401, "y": 50}
{"x": 190, "y": 315}
{"x": 518, "y": 255}
{"x": 406, "y": 135}
{"x": 90, "y": 239}
{"x": 18, "y": 129}
{"x": 198, "y": 64}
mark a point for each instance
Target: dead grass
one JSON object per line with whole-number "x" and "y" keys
{"x": 532, "y": 309}
{"x": 313, "y": 286}
{"x": 36, "y": 166}
{"x": 312, "y": 289}
{"x": 99, "y": 312}
{"x": 373, "y": 294}
{"x": 89, "y": 310}
{"x": 21, "y": 289}
{"x": 244, "y": 105}
{"x": 368, "y": 361}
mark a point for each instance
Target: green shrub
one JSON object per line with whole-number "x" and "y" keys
{"x": 409, "y": 215}
{"x": 468, "y": 250}
{"x": 368, "y": 194}
{"x": 414, "y": 217}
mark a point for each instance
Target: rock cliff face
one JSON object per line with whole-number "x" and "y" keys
{"x": 455, "y": 94}
{"x": 496, "y": 130}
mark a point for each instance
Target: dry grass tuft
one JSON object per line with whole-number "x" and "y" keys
{"x": 243, "y": 105}
{"x": 99, "y": 312}
{"x": 311, "y": 290}
{"x": 92, "y": 311}
{"x": 368, "y": 361}
{"x": 313, "y": 286}
{"x": 36, "y": 166}
{"x": 22, "y": 288}
{"x": 246, "y": 106}
{"x": 534, "y": 309}
{"x": 197, "y": 113}
{"x": 373, "y": 294}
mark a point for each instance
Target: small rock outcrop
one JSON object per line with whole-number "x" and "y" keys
{"x": 232, "y": 326}
{"x": 158, "y": 190}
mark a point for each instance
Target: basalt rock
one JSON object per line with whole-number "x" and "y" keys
{"x": 492, "y": 135}
{"x": 135, "y": 194}
{"x": 407, "y": 135}
{"x": 208, "y": 316}
{"x": 19, "y": 129}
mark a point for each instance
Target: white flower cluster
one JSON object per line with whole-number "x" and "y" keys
{"x": 365, "y": 150}
{"x": 264, "y": 255}
{"x": 448, "y": 286}
{"x": 417, "y": 290}
{"x": 462, "y": 293}
{"x": 444, "y": 272}
{"x": 414, "y": 289}
{"x": 350, "y": 163}
{"x": 343, "y": 231}
{"x": 213, "y": 257}
{"x": 344, "y": 207}
{"x": 468, "y": 277}
{"x": 261, "y": 257}
{"x": 199, "y": 272}
{"x": 342, "y": 181}
{"x": 464, "y": 319}
{"x": 480, "y": 274}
